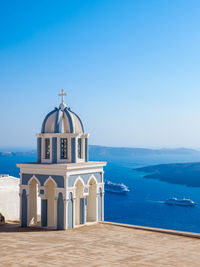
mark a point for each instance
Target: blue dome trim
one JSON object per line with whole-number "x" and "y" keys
{"x": 55, "y": 119}
{"x": 46, "y": 118}
{"x": 78, "y": 119}
{"x": 70, "y": 120}
{"x": 58, "y": 121}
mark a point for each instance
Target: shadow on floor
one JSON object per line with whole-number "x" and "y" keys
{"x": 15, "y": 227}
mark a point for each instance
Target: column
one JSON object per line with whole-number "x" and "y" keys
{"x": 86, "y": 149}
{"x": 85, "y": 210}
{"x": 39, "y": 149}
{"x": 60, "y": 212}
{"x": 24, "y": 210}
{"x": 70, "y": 212}
{"x": 44, "y": 209}
{"x": 74, "y": 150}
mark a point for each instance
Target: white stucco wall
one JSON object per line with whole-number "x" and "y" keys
{"x": 9, "y": 197}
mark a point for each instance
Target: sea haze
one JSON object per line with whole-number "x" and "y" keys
{"x": 144, "y": 204}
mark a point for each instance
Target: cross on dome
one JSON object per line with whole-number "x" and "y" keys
{"x": 62, "y": 105}
{"x": 63, "y": 94}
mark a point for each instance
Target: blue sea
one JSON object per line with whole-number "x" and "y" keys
{"x": 143, "y": 205}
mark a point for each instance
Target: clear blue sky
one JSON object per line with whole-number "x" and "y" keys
{"x": 131, "y": 69}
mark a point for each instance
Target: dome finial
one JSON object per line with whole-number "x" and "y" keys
{"x": 62, "y": 105}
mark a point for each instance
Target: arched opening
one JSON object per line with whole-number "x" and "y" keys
{"x": 34, "y": 205}
{"x": 50, "y": 196}
{"x": 79, "y": 203}
{"x": 92, "y": 201}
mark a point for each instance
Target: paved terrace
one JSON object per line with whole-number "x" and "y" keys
{"x": 96, "y": 245}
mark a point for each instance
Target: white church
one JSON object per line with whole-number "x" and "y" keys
{"x": 62, "y": 189}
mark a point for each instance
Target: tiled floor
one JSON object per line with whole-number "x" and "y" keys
{"x": 96, "y": 245}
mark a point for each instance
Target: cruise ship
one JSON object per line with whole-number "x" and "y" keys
{"x": 180, "y": 202}
{"x": 116, "y": 188}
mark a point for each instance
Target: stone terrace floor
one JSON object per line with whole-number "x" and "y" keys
{"x": 96, "y": 245}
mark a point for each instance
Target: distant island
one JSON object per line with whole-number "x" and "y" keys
{"x": 12, "y": 154}
{"x": 105, "y": 152}
{"x": 131, "y": 152}
{"x": 177, "y": 173}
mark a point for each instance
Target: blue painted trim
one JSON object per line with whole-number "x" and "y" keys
{"x": 70, "y": 212}
{"x": 78, "y": 119}
{"x": 73, "y": 150}
{"x": 71, "y": 125}
{"x": 39, "y": 149}
{"x": 24, "y": 209}
{"x": 58, "y": 121}
{"x": 54, "y": 150}
{"x": 85, "y": 209}
{"x": 86, "y": 149}
{"x": 60, "y": 212}
{"x": 79, "y": 147}
{"x": 46, "y": 118}
{"x": 85, "y": 177}
{"x": 42, "y": 179}
{"x": 44, "y": 205}
{"x": 82, "y": 211}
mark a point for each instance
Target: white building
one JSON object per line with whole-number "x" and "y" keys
{"x": 9, "y": 197}
{"x": 70, "y": 187}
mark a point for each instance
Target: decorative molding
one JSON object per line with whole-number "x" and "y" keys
{"x": 62, "y": 135}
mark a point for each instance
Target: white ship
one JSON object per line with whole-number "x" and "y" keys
{"x": 116, "y": 188}
{"x": 180, "y": 202}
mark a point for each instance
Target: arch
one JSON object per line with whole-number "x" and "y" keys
{"x": 92, "y": 200}
{"x": 50, "y": 179}
{"x": 34, "y": 202}
{"x": 50, "y": 186}
{"x": 79, "y": 201}
{"x": 34, "y": 178}
{"x": 60, "y": 212}
{"x": 91, "y": 177}
{"x": 70, "y": 211}
{"x": 77, "y": 179}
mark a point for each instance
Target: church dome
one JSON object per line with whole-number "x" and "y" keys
{"x": 62, "y": 119}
